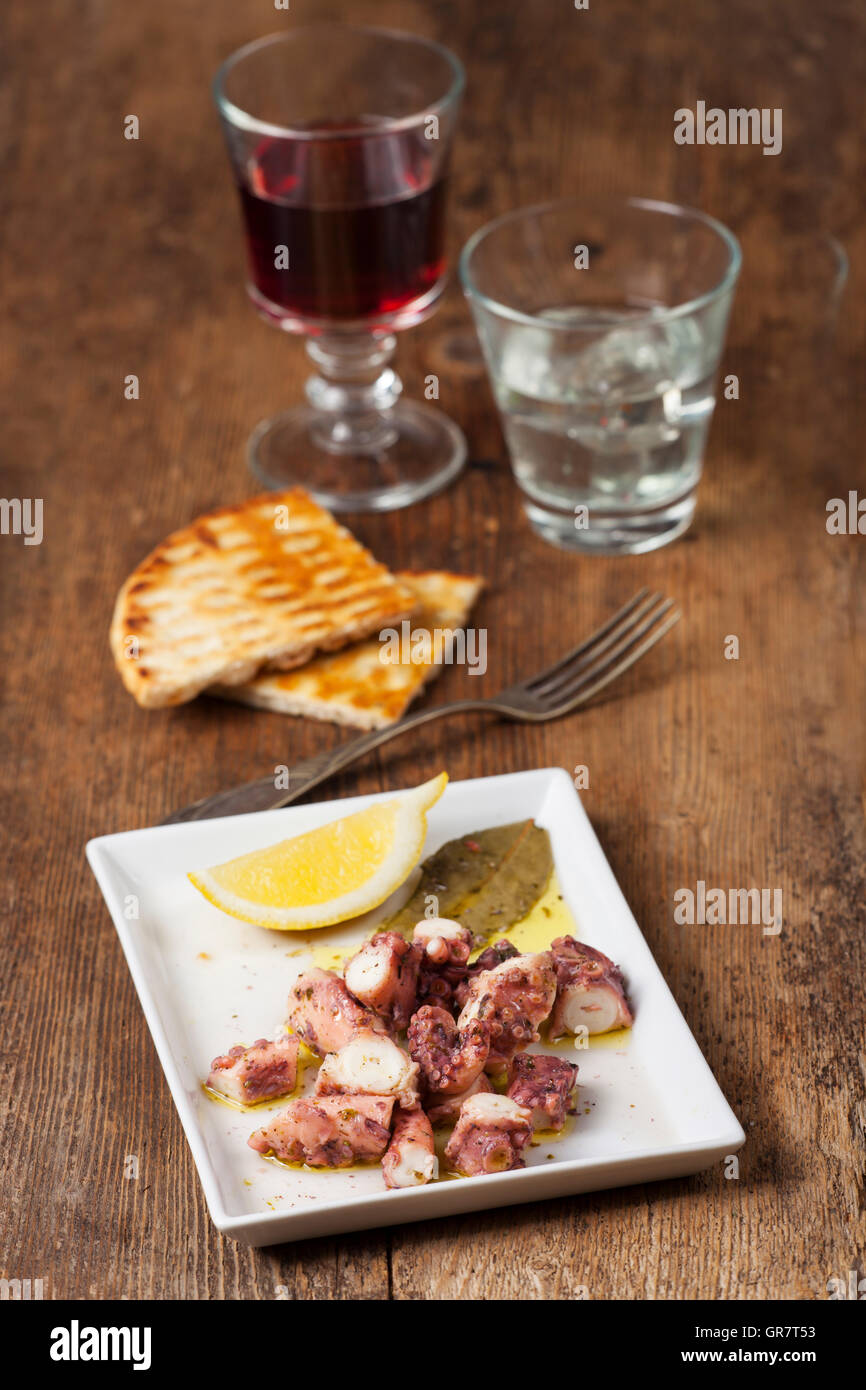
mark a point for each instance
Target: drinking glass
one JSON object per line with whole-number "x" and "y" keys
{"x": 339, "y": 138}
{"x": 602, "y": 325}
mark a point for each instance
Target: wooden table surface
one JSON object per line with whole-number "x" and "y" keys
{"x": 125, "y": 257}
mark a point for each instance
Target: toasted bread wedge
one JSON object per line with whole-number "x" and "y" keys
{"x": 267, "y": 583}
{"x": 356, "y": 686}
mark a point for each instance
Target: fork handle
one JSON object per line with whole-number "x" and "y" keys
{"x": 262, "y": 795}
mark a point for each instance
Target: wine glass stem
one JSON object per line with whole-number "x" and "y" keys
{"x": 353, "y": 391}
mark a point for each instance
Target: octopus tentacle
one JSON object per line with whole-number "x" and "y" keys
{"x": 590, "y": 991}
{"x": 445, "y": 1110}
{"x": 328, "y": 1131}
{"x": 384, "y": 976}
{"x": 262, "y": 1071}
{"x": 410, "y": 1158}
{"x": 544, "y": 1085}
{"x": 489, "y": 1137}
{"x": 488, "y": 960}
{"x": 449, "y": 1059}
{"x": 444, "y": 948}
{"x": 370, "y": 1064}
{"x": 323, "y": 1013}
{"x": 513, "y": 999}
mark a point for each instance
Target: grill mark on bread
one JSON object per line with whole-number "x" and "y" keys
{"x": 206, "y": 616}
{"x": 353, "y": 686}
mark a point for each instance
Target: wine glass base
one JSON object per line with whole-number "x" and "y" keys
{"x": 421, "y": 453}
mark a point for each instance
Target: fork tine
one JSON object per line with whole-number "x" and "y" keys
{"x": 534, "y": 682}
{"x": 587, "y": 671}
{"x": 549, "y": 686}
{"x": 586, "y": 687}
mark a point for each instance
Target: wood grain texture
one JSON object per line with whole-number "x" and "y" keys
{"x": 122, "y": 257}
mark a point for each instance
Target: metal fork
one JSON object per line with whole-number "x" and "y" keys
{"x": 553, "y": 692}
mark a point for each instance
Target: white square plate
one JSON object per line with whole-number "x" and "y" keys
{"x": 648, "y": 1108}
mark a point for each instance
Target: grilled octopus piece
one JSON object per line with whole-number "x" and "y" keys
{"x": 328, "y": 1131}
{"x": 410, "y": 1158}
{"x": 370, "y": 1064}
{"x": 323, "y": 1013}
{"x": 488, "y": 960}
{"x": 443, "y": 940}
{"x": 449, "y": 1059}
{"x": 444, "y": 946}
{"x": 590, "y": 991}
{"x": 489, "y": 1137}
{"x": 544, "y": 1086}
{"x": 384, "y": 976}
{"x": 445, "y": 1110}
{"x": 262, "y": 1071}
{"x": 512, "y": 999}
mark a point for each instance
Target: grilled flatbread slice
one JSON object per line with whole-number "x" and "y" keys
{"x": 356, "y": 686}
{"x": 267, "y": 583}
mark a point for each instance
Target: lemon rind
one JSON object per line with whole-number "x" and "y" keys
{"x": 401, "y": 858}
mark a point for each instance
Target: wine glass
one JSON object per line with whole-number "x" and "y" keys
{"x": 339, "y": 138}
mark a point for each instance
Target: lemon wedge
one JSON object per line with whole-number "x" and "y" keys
{"x": 330, "y": 874}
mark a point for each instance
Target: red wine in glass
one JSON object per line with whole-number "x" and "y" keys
{"x": 343, "y": 229}
{"x": 339, "y": 137}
